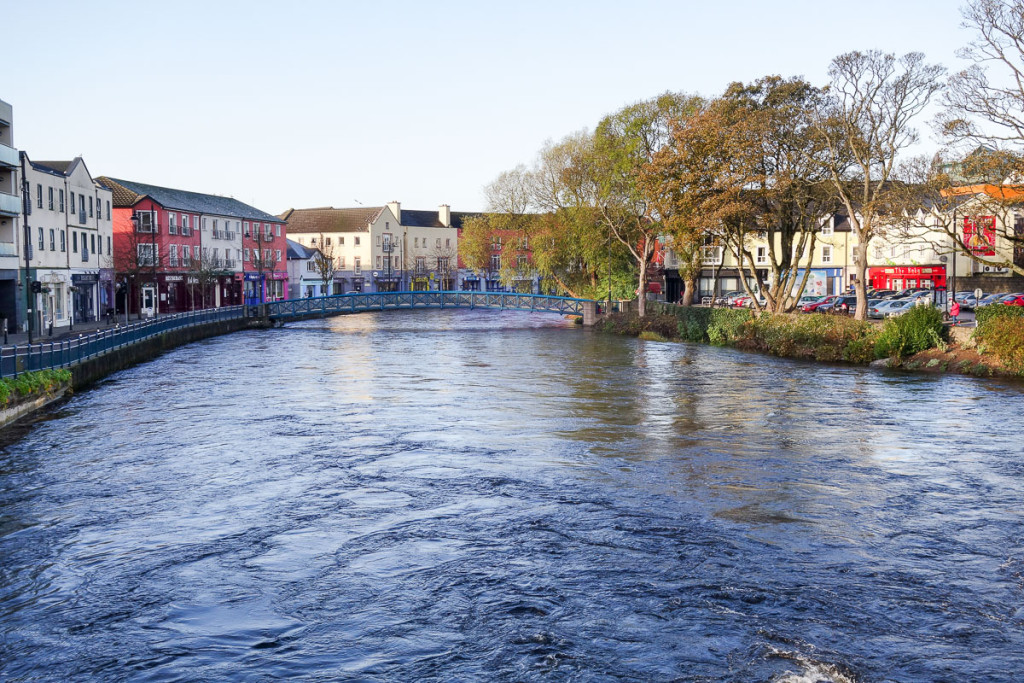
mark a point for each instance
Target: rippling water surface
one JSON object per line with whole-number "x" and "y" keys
{"x": 465, "y": 496}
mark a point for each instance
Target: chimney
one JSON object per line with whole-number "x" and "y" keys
{"x": 396, "y": 208}
{"x": 444, "y": 215}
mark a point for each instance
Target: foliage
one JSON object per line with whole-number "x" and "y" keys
{"x": 988, "y": 313}
{"x": 917, "y": 330}
{"x": 821, "y": 337}
{"x": 1003, "y": 336}
{"x": 30, "y": 383}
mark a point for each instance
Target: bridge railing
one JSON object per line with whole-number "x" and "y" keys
{"x": 382, "y": 301}
{"x": 65, "y": 353}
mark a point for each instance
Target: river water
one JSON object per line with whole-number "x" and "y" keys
{"x": 464, "y": 496}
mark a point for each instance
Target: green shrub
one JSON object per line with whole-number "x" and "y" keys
{"x": 29, "y": 383}
{"x": 917, "y": 330}
{"x": 997, "y": 311}
{"x": 822, "y": 337}
{"x": 725, "y": 325}
{"x": 1003, "y": 336}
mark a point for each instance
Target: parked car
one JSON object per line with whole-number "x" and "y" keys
{"x": 813, "y": 306}
{"x": 841, "y": 305}
{"x": 898, "y": 308}
{"x": 730, "y": 297}
{"x": 989, "y": 300}
{"x": 805, "y": 300}
{"x": 1014, "y": 300}
{"x": 879, "y": 310}
{"x": 967, "y": 300}
{"x": 881, "y": 293}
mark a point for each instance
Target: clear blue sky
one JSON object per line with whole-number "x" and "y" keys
{"x": 315, "y": 103}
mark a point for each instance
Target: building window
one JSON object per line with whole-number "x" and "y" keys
{"x": 327, "y": 241}
{"x": 145, "y": 221}
{"x": 108, "y": 245}
{"x": 60, "y": 194}
{"x": 521, "y": 262}
{"x": 41, "y": 247}
{"x": 341, "y": 241}
{"x": 277, "y": 230}
{"x": 826, "y": 254}
{"x": 827, "y": 228}
{"x": 421, "y": 265}
{"x": 39, "y": 195}
{"x": 63, "y": 241}
{"x": 53, "y": 240}
{"x": 277, "y": 255}
{"x": 245, "y": 228}
{"x": 186, "y": 255}
{"x": 495, "y": 262}
{"x": 74, "y": 241}
{"x": 108, "y": 209}
{"x": 378, "y": 262}
{"x": 437, "y": 243}
{"x": 341, "y": 263}
{"x": 448, "y": 243}
{"x": 762, "y": 255}
{"x": 416, "y": 242}
{"x": 92, "y": 243}
{"x": 90, "y": 207}
{"x": 172, "y": 224}
{"x": 146, "y": 255}
{"x": 711, "y": 256}
{"x": 357, "y": 265}
{"x": 378, "y": 240}
{"x": 49, "y": 198}
{"x": 185, "y": 230}
{"x": 172, "y": 255}
{"x": 357, "y": 241}
{"x": 245, "y": 252}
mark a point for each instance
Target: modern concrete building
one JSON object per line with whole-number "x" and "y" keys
{"x": 12, "y": 293}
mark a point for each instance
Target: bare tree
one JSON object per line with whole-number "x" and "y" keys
{"x": 324, "y": 264}
{"x": 865, "y": 126}
{"x": 204, "y": 269}
{"x": 264, "y": 259}
{"x": 137, "y": 257}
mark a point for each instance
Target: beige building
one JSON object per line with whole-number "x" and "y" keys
{"x": 381, "y": 248}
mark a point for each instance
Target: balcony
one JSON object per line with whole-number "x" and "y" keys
{"x": 8, "y": 249}
{"x": 8, "y": 156}
{"x": 10, "y": 205}
{"x": 228, "y": 263}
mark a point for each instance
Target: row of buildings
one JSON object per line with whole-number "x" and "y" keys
{"x": 74, "y": 247}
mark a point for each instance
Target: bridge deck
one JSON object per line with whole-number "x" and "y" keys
{"x": 341, "y": 304}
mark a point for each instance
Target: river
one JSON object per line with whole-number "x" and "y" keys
{"x": 468, "y": 495}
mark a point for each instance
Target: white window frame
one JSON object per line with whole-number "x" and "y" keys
{"x": 826, "y": 253}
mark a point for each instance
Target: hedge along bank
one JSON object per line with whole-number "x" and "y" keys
{"x": 31, "y": 391}
{"x": 1000, "y": 333}
{"x": 817, "y": 337}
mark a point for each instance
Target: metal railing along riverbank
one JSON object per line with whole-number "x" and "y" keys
{"x": 64, "y": 353}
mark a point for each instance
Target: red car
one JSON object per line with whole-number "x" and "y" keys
{"x": 813, "y": 306}
{"x": 1015, "y": 301}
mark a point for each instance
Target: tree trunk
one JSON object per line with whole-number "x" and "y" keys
{"x": 689, "y": 289}
{"x": 861, "y": 286}
{"x": 642, "y": 290}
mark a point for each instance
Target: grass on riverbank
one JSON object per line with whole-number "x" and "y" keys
{"x": 30, "y": 384}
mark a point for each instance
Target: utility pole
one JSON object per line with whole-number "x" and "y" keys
{"x": 26, "y": 201}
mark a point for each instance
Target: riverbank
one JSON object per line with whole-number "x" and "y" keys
{"x": 31, "y": 391}
{"x": 918, "y": 342}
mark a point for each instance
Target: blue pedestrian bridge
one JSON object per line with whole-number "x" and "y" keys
{"x": 339, "y": 304}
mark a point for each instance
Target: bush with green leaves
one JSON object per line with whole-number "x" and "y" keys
{"x": 997, "y": 311}
{"x": 919, "y": 329}
{"x": 821, "y": 337}
{"x": 1003, "y": 336}
{"x": 32, "y": 383}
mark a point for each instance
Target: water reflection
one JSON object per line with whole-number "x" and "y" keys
{"x": 465, "y": 496}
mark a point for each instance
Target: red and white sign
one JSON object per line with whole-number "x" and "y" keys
{"x": 980, "y": 235}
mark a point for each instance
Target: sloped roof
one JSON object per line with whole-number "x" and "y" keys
{"x": 59, "y": 166}
{"x": 329, "y": 219}
{"x": 128, "y": 192}
{"x": 297, "y": 251}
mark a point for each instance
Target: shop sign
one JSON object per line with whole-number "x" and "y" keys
{"x": 85, "y": 278}
{"x": 174, "y": 278}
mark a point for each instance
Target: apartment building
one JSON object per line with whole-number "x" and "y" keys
{"x": 12, "y": 297}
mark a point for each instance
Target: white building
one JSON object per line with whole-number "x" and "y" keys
{"x": 71, "y": 235}
{"x": 12, "y": 296}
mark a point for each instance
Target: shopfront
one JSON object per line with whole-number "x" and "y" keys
{"x": 85, "y": 288}
{"x": 907, "y": 277}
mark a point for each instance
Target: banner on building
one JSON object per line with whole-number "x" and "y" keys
{"x": 980, "y": 235}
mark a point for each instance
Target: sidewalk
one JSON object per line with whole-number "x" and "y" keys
{"x": 62, "y": 333}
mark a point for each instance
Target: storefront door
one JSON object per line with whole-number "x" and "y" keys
{"x": 148, "y": 307}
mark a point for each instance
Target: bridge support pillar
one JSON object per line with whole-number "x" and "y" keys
{"x": 590, "y": 314}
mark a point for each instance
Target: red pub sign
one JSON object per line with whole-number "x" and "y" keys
{"x": 904, "y": 277}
